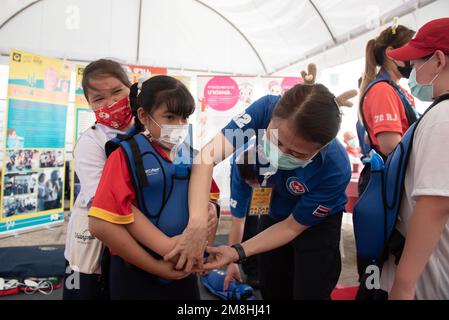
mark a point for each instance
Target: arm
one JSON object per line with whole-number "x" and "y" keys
{"x": 236, "y": 231}
{"x": 428, "y": 220}
{"x": 388, "y": 142}
{"x": 147, "y": 234}
{"x": 89, "y": 161}
{"x": 235, "y": 236}
{"x": 192, "y": 242}
{"x": 117, "y": 238}
{"x": 274, "y": 237}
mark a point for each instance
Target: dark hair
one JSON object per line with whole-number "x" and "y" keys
{"x": 245, "y": 168}
{"x": 395, "y": 37}
{"x": 101, "y": 68}
{"x": 158, "y": 90}
{"x": 313, "y": 110}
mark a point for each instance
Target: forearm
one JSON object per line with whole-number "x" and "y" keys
{"x": 426, "y": 225}
{"x": 201, "y": 178}
{"x": 388, "y": 142}
{"x": 117, "y": 238}
{"x": 212, "y": 222}
{"x": 147, "y": 234}
{"x": 199, "y": 187}
{"x": 236, "y": 231}
{"x": 274, "y": 237}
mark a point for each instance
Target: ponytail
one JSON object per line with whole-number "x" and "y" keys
{"x": 371, "y": 63}
{"x": 133, "y": 101}
{"x": 375, "y": 52}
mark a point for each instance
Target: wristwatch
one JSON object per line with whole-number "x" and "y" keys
{"x": 240, "y": 252}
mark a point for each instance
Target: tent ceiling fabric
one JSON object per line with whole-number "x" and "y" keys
{"x": 234, "y": 36}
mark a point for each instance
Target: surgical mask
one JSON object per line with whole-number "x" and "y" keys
{"x": 424, "y": 92}
{"x": 352, "y": 143}
{"x": 281, "y": 160}
{"x": 171, "y": 135}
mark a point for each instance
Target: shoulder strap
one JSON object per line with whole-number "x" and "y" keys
{"x": 395, "y": 244}
{"x": 137, "y": 163}
{"x": 114, "y": 143}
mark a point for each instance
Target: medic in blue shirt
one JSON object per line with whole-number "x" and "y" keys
{"x": 300, "y": 174}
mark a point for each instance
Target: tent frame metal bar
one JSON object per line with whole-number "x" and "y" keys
{"x": 388, "y": 17}
{"x": 253, "y": 48}
{"x": 139, "y": 25}
{"x": 323, "y": 20}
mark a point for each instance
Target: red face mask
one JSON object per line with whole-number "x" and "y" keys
{"x": 117, "y": 115}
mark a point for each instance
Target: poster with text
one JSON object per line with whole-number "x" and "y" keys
{"x": 279, "y": 85}
{"x": 220, "y": 99}
{"x": 33, "y": 166}
{"x": 142, "y": 73}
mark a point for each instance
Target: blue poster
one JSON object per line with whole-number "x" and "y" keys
{"x": 33, "y": 166}
{"x": 35, "y": 125}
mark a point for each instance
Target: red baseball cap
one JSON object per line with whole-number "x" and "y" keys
{"x": 433, "y": 36}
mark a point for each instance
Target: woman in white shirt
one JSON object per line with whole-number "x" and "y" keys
{"x": 106, "y": 87}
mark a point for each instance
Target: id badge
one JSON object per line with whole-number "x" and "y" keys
{"x": 260, "y": 201}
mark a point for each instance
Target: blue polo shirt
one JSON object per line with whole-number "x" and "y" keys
{"x": 311, "y": 194}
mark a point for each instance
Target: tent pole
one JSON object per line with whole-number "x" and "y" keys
{"x": 139, "y": 24}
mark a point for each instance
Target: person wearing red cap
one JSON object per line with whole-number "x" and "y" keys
{"x": 386, "y": 112}
{"x": 422, "y": 272}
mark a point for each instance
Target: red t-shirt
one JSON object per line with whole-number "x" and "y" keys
{"x": 384, "y": 112}
{"x": 115, "y": 193}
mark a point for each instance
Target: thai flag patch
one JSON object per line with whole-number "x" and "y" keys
{"x": 321, "y": 211}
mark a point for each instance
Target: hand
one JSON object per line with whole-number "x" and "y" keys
{"x": 309, "y": 76}
{"x": 167, "y": 271}
{"x": 221, "y": 256}
{"x": 233, "y": 273}
{"x": 204, "y": 272}
{"x": 174, "y": 240}
{"x": 343, "y": 99}
{"x": 190, "y": 247}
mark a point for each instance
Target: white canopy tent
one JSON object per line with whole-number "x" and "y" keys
{"x": 250, "y": 37}
{"x": 254, "y": 37}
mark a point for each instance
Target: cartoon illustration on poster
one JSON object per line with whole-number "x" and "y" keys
{"x": 221, "y": 98}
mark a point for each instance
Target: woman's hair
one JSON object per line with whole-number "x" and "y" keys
{"x": 41, "y": 177}
{"x": 160, "y": 90}
{"x": 102, "y": 68}
{"x": 395, "y": 37}
{"x": 245, "y": 168}
{"x": 313, "y": 111}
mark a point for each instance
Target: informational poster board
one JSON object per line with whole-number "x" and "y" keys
{"x": 221, "y": 98}
{"x": 279, "y": 85}
{"x": 142, "y": 73}
{"x": 33, "y": 170}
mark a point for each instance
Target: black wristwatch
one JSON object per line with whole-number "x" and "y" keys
{"x": 240, "y": 252}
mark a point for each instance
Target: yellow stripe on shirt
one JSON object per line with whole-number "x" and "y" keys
{"x": 214, "y": 196}
{"x": 110, "y": 217}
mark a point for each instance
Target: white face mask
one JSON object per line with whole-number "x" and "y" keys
{"x": 171, "y": 135}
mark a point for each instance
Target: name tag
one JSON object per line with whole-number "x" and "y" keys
{"x": 260, "y": 201}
